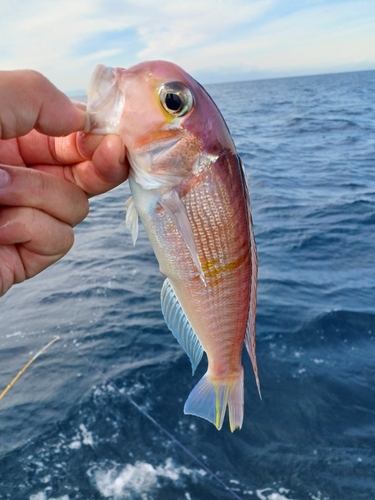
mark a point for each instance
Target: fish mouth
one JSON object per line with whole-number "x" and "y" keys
{"x": 105, "y": 102}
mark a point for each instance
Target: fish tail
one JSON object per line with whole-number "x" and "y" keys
{"x": 211, "y": 396}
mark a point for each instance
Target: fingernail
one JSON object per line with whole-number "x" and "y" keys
{"x": 87, "y": 144}
{"x": 4, "y": 178}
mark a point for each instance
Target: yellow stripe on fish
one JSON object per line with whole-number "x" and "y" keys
{"x": 212, "y": 269}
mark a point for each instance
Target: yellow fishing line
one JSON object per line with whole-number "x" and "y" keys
{"x": 27, "y": 366}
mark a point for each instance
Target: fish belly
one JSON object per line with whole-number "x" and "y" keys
{"x": 217, "y": 307}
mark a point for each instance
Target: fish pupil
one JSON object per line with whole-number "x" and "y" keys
{"x": 176, "y": 98}
{"x": 173, "y": 102}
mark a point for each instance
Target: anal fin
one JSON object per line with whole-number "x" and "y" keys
{"x": 179, "y": 325}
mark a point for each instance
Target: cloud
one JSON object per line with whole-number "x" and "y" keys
{"x": 194, "y": 24}
{"x": 48, "y": 35}
{"x": 216, "y": 39}
{"x": 320, "y": 38}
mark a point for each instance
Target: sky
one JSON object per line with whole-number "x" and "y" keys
{"x": 214, "y": 40}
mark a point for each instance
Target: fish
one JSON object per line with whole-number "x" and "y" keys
{"x": 189, "y": 189}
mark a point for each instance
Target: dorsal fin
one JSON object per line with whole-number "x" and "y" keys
{"x": 250, "y": 341}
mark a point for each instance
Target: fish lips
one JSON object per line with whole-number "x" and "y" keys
{"x": 105, "y": 101}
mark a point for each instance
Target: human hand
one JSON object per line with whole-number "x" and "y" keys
{"x": 48, "y": 170}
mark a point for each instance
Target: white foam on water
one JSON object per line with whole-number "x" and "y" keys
{"x": 15, "y": 334}
{"x": 86, "y": 436}
{"x": 42, "y": 496}
{"x": 140, "y": 479}
{"x": 319, "y": 497}
{"x": 83, "y": 437}
{"x": 39, "y": 496}
{"x": 318, "y": 361}
{"x": 268, "y": 494}
{"x": 283, "y": 494}
{"x": 75, "y": 445}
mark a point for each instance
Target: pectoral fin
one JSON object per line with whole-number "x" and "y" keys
{"x": 176, "y": 210}
{"x": 179, "y": 325}
{"x": 131, "y": 220}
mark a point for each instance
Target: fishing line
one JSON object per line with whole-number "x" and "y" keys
{"x": 131, "y": 400}
{"x": 159, "y": 426}
{"x": 22, "y": 371}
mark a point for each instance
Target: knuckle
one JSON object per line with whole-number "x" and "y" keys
{"x": 81, "y": 203}
{"x": 85, "y": 208}
{"x": 81, "y": 208}
{"x": 34, "y": 78}
{"x": 67, "y": 240}
{"x": 40, "y": 189}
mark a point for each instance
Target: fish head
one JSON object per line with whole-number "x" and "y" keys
{"x": 165, "y": 118}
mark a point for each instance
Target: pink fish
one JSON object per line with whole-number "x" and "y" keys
{"x": 189, "y": 189}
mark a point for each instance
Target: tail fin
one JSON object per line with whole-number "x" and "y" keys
{"x": 209, "y": 400}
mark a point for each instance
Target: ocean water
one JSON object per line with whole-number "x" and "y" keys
{"x": 76, "y": 425}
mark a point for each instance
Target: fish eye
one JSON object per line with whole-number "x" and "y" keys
{"x": 176, "y": 98}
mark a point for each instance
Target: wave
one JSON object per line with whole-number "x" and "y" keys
{"x": 301, "y": 125}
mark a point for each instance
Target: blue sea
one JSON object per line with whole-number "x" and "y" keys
{"x": 99, "y": 414}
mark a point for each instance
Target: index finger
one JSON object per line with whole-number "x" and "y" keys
{"x": 28, "y": 100}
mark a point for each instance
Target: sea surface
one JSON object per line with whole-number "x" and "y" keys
{"x": 99, "y": 414}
